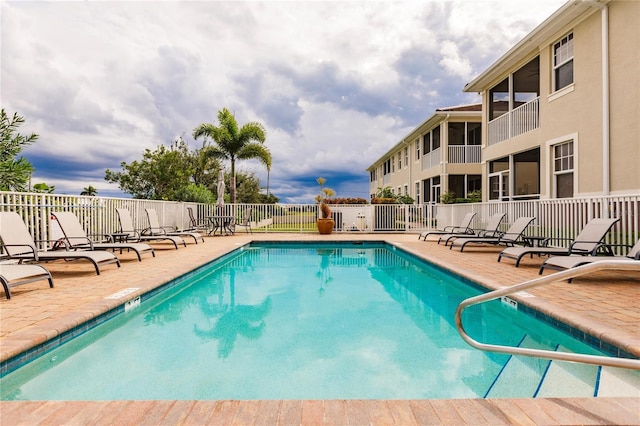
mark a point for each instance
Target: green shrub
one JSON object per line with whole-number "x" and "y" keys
{"x": 348, "y": 200}
{"x": 475, "y": 196}
{"x": 195, "y": 193}
{"x": 448, "y": 197}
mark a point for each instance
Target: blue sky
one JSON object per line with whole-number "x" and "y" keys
{"x": 335, "y": 84}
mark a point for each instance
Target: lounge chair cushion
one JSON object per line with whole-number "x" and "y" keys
{"x": 572, "y": 261}
{"x": 13, "y": 275}
{"x": 511, "y": 237}
{"x": 463, "y": 228}
{"x": 156, "y": 229}
{"x": 19, "y": 244}
{"x": 587, "y": 241}
{"x": 126, "y": 226}
{"x": 76, "y": 238}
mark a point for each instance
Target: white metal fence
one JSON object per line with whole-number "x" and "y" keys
{"x": 558, "y": 218}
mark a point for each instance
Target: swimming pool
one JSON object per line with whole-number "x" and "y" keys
{"x": 297, "y": 321}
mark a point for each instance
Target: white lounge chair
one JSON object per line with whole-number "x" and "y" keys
{"x": 567, "y": 262}
{"x": 126, "y": 227}
{"x": 76, "y": 238}
{"x": 13, "y": 275}
{"x": 491, "y": 230}
{"x": 588, "y": 241}
{"x": 512, "y": 237}
{"x": 463, "y": 228}
{"x": 18, "y": 244}
{"x": 156, "y": 229}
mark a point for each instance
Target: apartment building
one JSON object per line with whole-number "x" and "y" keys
{"x": 561, "y": 109}
{"x": 560, "y": 113}
{"x": 442, "y": 154}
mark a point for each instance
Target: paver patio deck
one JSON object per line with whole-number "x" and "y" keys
{"x": 604, "y": 305}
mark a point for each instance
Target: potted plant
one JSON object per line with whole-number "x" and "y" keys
{"x": 325, "y": 222}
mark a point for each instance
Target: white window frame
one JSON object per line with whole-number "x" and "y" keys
{"x": 504, "y": 182}
{"x": 418, "y": 149}
{"x": 563, "y": 171}
{"x": 549, "y": 169}
{"x": 563, "y": 52}
{"x": 436, "y": 192}
{"x": 417, "y": 185}
{"x": 406, "y": 157}
{"x": 399, "y": 161}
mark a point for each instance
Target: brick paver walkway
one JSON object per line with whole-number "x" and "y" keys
{"x": 604, "y": 304}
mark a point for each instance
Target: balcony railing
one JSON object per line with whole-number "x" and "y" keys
{"x": 431, "y": 159}
{"x": 465, "y": 154}
{"x": 516, "y": 122}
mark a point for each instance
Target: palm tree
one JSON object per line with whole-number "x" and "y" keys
{"x": 89, "y": 191}
{"x": 234, "y": 143}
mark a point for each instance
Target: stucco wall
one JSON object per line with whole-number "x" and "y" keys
{"x": 580, "y": 111}
{"x": 624, "y": 53}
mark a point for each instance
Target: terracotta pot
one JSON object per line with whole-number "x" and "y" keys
{"x": 325, "y": 226}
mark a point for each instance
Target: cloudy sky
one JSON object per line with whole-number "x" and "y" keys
{"x": 335, "y": 83}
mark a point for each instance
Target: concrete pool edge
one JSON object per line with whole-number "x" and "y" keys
{"x": 549, "y": 411}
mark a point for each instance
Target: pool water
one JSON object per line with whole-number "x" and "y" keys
{"x": 293, "y": 321}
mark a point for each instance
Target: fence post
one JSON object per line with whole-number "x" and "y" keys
{"x": 44, "y": 221}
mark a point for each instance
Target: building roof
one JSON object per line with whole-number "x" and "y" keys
{"x": 438, "y": 116}
{"x": 471, "y": 107}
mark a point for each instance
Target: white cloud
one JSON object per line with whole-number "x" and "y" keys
{"x": 335, "y": 83}
{"x": 453, "y": 62}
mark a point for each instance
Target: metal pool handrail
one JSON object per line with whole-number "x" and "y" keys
{"x": 604, "y": 265}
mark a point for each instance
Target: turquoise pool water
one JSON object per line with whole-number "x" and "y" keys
{"x": 293, "y": 321}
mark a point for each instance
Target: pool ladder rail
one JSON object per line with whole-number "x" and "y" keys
{"x": 603, "y": 265}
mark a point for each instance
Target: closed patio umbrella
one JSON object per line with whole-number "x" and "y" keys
{"x": 221, "y": 188}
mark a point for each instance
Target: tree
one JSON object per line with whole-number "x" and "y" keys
{"x": 44, "y": 188}
{"x": 233, "y": 143}
{"x": 206, "y": 168}
{"x": 178, "y": 174}
{"x": 325, "y": 193}
{"x": 158, "y": 176}
{"x": 267, "y": 199}
{"x": 248, "y": 190}
{"x": 195, "y": 193}
{"x": 89, "y": 191}
{"x": 14, "y": 172}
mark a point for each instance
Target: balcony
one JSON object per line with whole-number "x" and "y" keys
{"x": 516, "y": 122}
